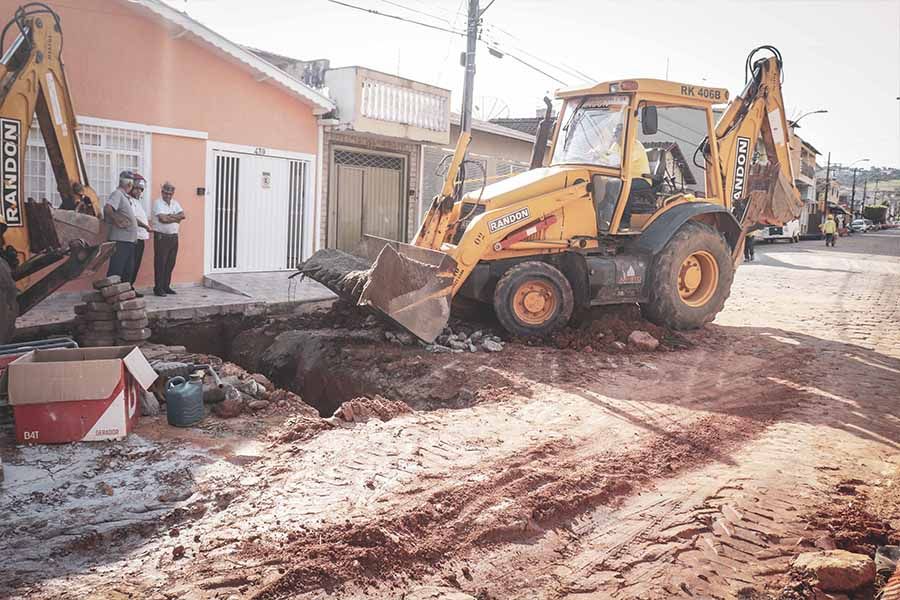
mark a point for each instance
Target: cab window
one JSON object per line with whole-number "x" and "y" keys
{"x": 592, "y": 132}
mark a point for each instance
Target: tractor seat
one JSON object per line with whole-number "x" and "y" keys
{"x": 657, "y": 159}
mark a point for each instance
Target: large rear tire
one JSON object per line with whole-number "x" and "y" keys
{"x": 533, "y": 298}
{"x": 690, "y": 278}
{"x": 9, "y": 306}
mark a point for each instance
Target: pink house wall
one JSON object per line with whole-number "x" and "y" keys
{"x": 123, "y": 64}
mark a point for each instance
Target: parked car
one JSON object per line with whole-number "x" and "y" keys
{"x": 860, "y": 225}
{"x": 790, "y": 232}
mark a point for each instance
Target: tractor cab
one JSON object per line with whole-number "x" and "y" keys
{"x": 633, "y": 137}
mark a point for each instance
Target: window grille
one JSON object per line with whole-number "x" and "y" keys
{"x": 106, "y": 150}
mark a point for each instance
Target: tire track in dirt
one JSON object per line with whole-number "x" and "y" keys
{"x": 522, "y": 498}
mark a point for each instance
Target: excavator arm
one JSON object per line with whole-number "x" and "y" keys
{"x": 34, "y": 235}
{"x": 762, "y": 192}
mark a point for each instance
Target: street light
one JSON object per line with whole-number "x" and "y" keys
{"x": 794, "y": 122}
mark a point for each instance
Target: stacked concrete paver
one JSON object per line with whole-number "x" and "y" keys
{"x": 112, "y": 315}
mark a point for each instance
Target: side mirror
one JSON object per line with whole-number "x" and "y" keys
{"x": 649, "y": 122}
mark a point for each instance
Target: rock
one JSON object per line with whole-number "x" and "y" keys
{"x": 837, "y": 570}
{"x": 149, "y": 404}
{"x": 263, "y": 381}
{"x": 438, "y": 348}
{"x": 258, "y": 405}
{"x": 106, "y": 282}
{"x": 491, "y": 346}
{"x": 643, "y": 341}
{"x": 886, "y": 559}
{"x": 405, "y": 338}
{"x": 231, "y": 406}
{"x": 389, "y": 336}
{"x": 457, "y": 345}
{"x": 442, "y": 339}
{"x": 618, "y": 346}
{"x": 476, "y": 336}
{"x": 178, "y": 552}
{"x": 472, "y": 347}
{"x": 105, "y": 488}
{"x": 587, "y": 349}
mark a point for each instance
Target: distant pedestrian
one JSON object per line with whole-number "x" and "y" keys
{"x": 143, "y": 231}
{"x": 167, "y": 217}
{"x": 829, "y": 228}
{"x": 119, "y": 215}
{"x": 749, "y": 243}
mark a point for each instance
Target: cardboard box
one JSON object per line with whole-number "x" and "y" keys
{"x": 77, "y": 394}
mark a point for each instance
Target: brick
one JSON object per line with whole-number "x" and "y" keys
{"x": 100, "y": 307}
{"x": 130, "y": 315}
{"x": 100, "y": 326}
{"x": 122, "y": 297}
{"x": 81, "y": 309}
{"x": 106, "y": 282}
{"x": 134, "y": 335}
{"x": 100, "y": 316}
{"x": 115, "y": 289}
{"x": 93, "y": 297}
{"x": 134, "y": 323}
{"x": 94, "y": 341}
{"x": 132, "y": 304}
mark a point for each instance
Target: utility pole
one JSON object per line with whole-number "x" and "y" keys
{"x": 827, "y": 185}
{"x": 853, "y": 195}
{"x": 465, "y": 120}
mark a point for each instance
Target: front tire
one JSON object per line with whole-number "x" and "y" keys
{"x": 9, "y": 305}
{"x": 533, "y": 298}
{"x": 691, "y": 278}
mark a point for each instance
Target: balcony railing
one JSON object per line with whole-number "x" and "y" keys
{"x": 808, "y": 170}
{"x": 387, "y": 102}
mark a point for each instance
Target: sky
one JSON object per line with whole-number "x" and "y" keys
{"x": 842, "y": 56}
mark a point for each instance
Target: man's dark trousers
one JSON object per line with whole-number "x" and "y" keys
{"x": 138, "y": 257}
{"x": 122, "y": 261}
{"x": 165, "y": 251}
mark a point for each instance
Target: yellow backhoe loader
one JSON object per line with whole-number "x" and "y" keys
{"x": 41, "y": 247}
{"x": 604, "y": 223}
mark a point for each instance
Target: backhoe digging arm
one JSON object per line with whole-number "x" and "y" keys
{"x": 764, "y": 194}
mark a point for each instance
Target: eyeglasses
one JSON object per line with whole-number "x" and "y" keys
{"x": 168, "y": 191}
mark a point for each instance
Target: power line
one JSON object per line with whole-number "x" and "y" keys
{"x": 399, "y": 18}
{"x": 527, "y": 64}
{"x": 570, "y": 72}
{"x": 415, "y": 10}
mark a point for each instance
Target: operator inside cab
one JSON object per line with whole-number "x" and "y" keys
{"x": 640, "y": 183}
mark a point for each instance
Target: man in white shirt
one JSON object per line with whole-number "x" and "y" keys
{"x": 167, "y": 217}
{"x": 143, "y": 224}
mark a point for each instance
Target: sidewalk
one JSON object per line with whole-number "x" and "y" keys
{"x": 247, "y": 293}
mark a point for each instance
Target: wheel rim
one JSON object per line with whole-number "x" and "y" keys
{"x": 698, "y": 278}
{"x": 534, "y": 302}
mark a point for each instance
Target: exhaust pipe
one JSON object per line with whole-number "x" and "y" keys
{"x": 539, "y": 150}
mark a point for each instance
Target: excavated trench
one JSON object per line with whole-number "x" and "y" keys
{"x": 327, "y": 358}
{"x": 330, "y": 357}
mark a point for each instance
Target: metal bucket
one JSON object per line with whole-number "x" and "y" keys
{"x": 412, "y": 286}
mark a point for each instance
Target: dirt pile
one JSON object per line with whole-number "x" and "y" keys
{"x": 608, "y": 330}
{"x": 850, "y": 522}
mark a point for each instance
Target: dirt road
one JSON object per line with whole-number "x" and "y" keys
{"x": 695, "y": 472}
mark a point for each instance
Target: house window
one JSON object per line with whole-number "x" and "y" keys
{"x": 106, "y": 150}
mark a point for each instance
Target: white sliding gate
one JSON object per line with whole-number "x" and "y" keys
{"x": 258, "y": 210}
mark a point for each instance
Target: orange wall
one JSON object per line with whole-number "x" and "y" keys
{"x": 122, "y": 64}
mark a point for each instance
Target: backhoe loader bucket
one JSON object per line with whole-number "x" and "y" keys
{"x": 411, "y": 285}
{"x": 772, "y": 200}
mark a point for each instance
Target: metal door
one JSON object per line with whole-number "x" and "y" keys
{"x": 258, "y": 212}
{"x": 367, "y": 197}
